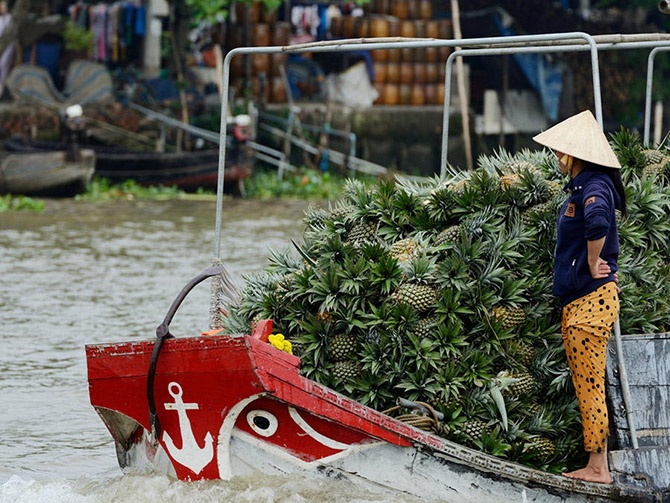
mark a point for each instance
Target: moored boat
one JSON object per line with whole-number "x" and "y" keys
{"x": 45, "y": 173}
{"x": 62, "y": 171}
{"x": 188, "y": 170}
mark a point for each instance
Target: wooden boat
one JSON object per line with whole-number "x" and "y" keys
{"x": 216, "y": 406}
{"x": 188, "y": 170}
{"x": 219, "y": 406}
{"x": 45, "y": 173}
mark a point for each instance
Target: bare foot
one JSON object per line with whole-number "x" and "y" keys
{"x": 591, "y": 474}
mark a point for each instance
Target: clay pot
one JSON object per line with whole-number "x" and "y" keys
{"x": 393, "y": 73}
{"x": 419, "y": 73}
{"x": 277, "y": 60}
{"x": 277, "y": 90}
{"x": 431, "y": 54}
{"x": 336, "y": 26}
{"x": 430, "y": 94}
{"x": 391, "y": 94}
{"x": 433, "y": 29}
{"x": 405, "y": 94}
{"x": 400, "y": 9}
{"x": 380, "y": 55}
{"x": 379, "y": 27}
{"x": 418, "y": 96}
{"x": 406, "y": 73}
{"x": 407, "y": 29}
{"x": 260, "y": 63}
{"x": 281, "y": 34}
{"x": 260, "y": 35}
{"x": 425, "y": 9}
{"x": 380, "y": 71}
{"x": 432, "y": 72}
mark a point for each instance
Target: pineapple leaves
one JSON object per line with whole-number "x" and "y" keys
{"x": 438, "y": 289}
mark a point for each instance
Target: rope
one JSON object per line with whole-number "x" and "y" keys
{"x": 223, "y": 295}
{"x": 426, "y": 423}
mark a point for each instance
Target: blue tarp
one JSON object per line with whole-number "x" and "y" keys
{"x": 545, "y": 76}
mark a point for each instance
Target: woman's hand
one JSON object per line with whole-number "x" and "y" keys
{"x": 600, "y": 269}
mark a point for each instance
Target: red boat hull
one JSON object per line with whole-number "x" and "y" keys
{"x": 227, "y": 406}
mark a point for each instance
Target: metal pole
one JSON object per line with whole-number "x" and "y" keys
{"x": 625, "y": 390}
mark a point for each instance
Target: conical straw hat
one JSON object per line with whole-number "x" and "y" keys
{"x": 580, "y": 136}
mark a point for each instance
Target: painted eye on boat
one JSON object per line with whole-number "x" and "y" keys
{"x": 262, "y": 422}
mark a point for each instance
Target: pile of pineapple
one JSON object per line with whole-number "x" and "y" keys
{"x": 440, "y": 292}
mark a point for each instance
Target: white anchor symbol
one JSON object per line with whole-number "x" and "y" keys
{"x": 191, "y": 455}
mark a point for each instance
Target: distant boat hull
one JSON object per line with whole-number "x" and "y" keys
{"x": 187, "y": 170}
{"x": 45, "y": 173}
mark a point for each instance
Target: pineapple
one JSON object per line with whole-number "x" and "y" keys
{"x": 473, "y": 430}
{"x": 510, "y": 180}
{"x": 653, "y": 156}
{"x": 420, "y": 297}
{"x": 404, "y": 249}
{"x": 520, "y": 351}
{"x": 285, "y": 283}
{"x": 425, "y": 327}
{"x": 315, "y": 217}
{"x": 460, "y": 186}
{"x": 544, "y": 447}
{"x": 653, "y": 170}
{"x": 416, "y": 304}
{"x": 362, "y": 232}
{"x": 509, "y": 317}
{"x": 554, "y": 189}
{"x": 345, "y": 370}
{"x": 525, "y": 353}
{"x": 534, "y": 212}
{"x": 340, "y": 212}
{"x": 450, "y": 235}
{"x": 342, "y": 347}
{"x": 525, "y": 386}
{"x": 517, "y": 167}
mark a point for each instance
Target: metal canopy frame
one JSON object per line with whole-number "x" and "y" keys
{"x": 597, "y": 95}
{"x": 552, "y": 42}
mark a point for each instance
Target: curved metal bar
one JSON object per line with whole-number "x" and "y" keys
{"x": 647, "y": 99}
{"x": 162, "y": 333}
{"x": 592, "y": 47}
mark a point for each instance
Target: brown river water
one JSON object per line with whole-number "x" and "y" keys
{"x": 82, "y": 273}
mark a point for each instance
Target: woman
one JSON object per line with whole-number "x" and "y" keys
{"x": 585, "y": 265}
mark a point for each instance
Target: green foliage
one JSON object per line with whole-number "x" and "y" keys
{"x": 443, "y": 287}
{"x": 100, "y": 189}
{"x": 9, "y": 202}
{"x": 302, "y": 184}
{"x": 76, "y": 38}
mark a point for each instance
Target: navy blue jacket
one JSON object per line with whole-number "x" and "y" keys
{"x": 587, "y": 215}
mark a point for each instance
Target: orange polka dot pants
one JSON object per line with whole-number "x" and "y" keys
{"x": 586, "y": 326}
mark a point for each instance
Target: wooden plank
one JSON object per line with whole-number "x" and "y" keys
{"x": 645, "y": 468}
{"x": 647, "y": 361}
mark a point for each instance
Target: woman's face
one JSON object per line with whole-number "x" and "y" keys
{"x": 563, "y": 162}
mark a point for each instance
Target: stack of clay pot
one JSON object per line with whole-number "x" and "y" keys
{"x": 402, "y": 76}
{"x": 264, "y": 30}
